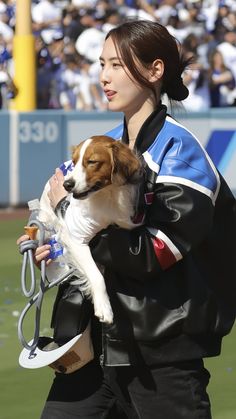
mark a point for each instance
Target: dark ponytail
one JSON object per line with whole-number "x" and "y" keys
{"x": 173, "y": 84}
{"x": 148, "y": 41}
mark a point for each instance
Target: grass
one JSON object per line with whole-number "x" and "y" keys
{"x": 23, "y": 392}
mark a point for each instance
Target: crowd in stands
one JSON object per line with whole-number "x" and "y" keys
{"x": 69, "y": 35}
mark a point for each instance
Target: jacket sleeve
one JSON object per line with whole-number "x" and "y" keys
{"x": 178, "y": 219}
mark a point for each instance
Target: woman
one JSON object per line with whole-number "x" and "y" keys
{"x": 196, "y": 81}
{"x": 171, "y": 291}
{"x": 221, "y": 81}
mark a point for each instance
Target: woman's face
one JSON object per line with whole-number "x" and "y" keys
{"x": 123, "y": 94}
{"x": 217, "y": 59}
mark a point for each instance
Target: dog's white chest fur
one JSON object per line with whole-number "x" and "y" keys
{"x": 85, "y": 218}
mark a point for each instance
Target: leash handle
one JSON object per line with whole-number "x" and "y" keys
{"x": 28, "y": 260}
{"x": 26, "y": 248}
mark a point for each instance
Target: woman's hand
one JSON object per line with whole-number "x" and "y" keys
{"x": 57, "y": 190}
{"x": 56, "y": 193}
{"x": 41, "y": 252}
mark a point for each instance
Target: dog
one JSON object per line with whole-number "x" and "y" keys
{"x": 103, "y": 190}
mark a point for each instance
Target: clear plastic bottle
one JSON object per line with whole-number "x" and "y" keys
{"x": 58, "y": 265}
{"x": 34, "y": 207}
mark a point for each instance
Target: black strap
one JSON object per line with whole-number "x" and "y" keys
{"x": 62, "y": 206}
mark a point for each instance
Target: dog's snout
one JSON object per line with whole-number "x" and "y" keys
{"x": 69, "y": 184}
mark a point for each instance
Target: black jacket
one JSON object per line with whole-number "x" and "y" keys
{"x": 172, "y": 281}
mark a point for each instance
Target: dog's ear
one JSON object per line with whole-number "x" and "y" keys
{"x": 127, "y": 167}
{"x": 72, "y": 149}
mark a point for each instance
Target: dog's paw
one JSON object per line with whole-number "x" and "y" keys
{"x": 103, "y": 311}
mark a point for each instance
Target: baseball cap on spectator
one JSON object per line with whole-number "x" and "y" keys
{"x": 95, "y": 14}
{"x": 58, "y": 36}
{"x": 99, "y": 15}
{"x": 183, "y": 15}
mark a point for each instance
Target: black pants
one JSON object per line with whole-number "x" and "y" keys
{"x": 176, "y": 391}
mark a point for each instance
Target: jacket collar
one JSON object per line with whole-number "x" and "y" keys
{"x": 148, "y": 131}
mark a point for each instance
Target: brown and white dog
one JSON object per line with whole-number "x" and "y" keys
{"x": 102, "y": 191}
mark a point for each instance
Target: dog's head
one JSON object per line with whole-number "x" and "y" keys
{"x": 101, "y": 161}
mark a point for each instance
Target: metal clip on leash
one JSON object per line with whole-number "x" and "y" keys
{"x": 26, "y": 248}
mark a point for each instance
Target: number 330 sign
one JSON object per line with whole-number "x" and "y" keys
{"x": 38, "y": 131}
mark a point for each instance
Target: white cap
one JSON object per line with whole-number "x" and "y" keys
{"x": 65, "y": 359}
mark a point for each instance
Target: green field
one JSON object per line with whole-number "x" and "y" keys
{"x": 22, "y": 392}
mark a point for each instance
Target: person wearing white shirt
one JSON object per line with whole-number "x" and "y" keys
{"x": 228, "y": 51}
{"x": 46, "y": 17}
{"x": 196, "y": 81}
{"x": 89, "y": 43}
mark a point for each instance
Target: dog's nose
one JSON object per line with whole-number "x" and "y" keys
{"x": 69, "y": 184}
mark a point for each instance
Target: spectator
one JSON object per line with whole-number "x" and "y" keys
{"x": 166, "y": 9}
{"x": 76, "y": 93}
{"x": 99, "y": 99}
{"x": 196, "y": 81}
{"x": 89, "y": 43}
{"x": 84, "y": 4}
{"x": 47, "y": 19}
{"x": 70, "y": 79}
{"x": 223, "y": 16}
{"x": 178, "y": 28}
{"x": 7, "y": 87}
{"x": 139, "y": 9}
{"x": 221, "y": 81}
{"x": 228, "y": 51}
{"x": 44, "y": 73}
{"x": 72, "y": 26}
{"x": 5, "y": 29}
{"x": 209, "y": 11}
{"x": 195, "y": 20}
{"x": 7, "y": 12}
{"x": 112, "y": 18}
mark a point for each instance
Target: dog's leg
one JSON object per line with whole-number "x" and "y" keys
{"x": 88, "y": 267}
{"x": 92, "y": 281}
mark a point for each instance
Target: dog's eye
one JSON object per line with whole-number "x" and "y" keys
{"x": 92, "y": 162}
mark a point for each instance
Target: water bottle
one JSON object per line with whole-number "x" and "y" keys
{"x": 58, "y": 266}
{"x": 34, "y": 207}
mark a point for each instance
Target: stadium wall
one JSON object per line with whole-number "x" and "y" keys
{"x": 33, "y": 144}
